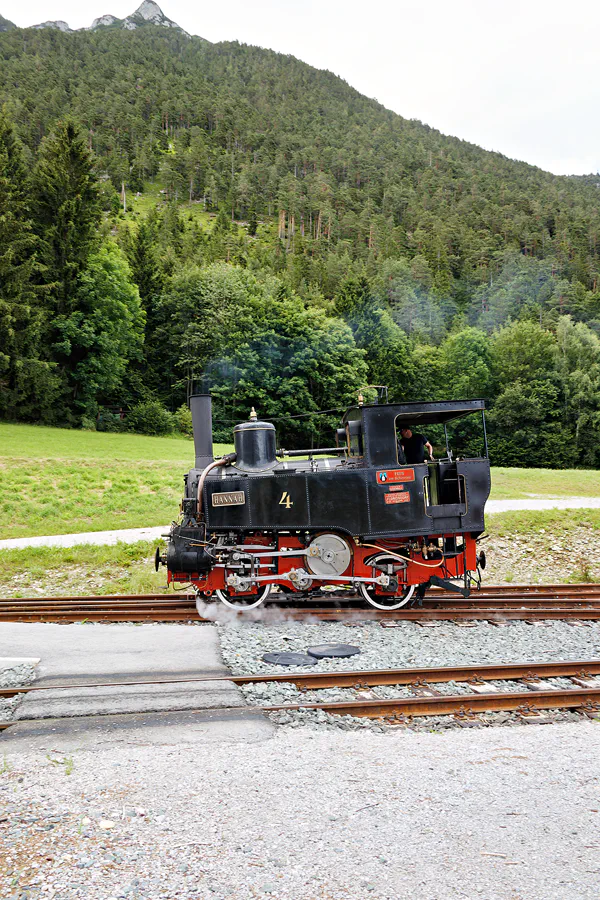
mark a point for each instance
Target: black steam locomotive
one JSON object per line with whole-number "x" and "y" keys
{"x": 351, "y": 517}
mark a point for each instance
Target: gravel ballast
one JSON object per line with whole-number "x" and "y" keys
{"x": 408, "y": 645}
{"x": 492, "y": 814}
{"x": 243, "y": 645}
{"x": 13, "y": 674}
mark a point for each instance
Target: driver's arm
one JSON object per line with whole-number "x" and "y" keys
{"x": 429, "y": 449}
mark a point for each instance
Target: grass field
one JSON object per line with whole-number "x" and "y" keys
{"x": 57, "y": 481}
{"x": 547, "y": 521}
{"x": 523, "y": 484}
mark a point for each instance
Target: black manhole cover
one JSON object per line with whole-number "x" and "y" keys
{"x": 323, "y": 651}
{"x": 285, "y": 658}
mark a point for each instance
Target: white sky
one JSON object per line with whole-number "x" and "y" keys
{"x": 520, "y": 78}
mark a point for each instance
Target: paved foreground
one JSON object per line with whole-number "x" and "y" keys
{"x": 101, "y": 653}
{"x": 133, "y": 535}
{"x": 498, "y": 813}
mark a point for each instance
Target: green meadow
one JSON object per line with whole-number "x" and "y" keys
{"x": 58, "y": 481}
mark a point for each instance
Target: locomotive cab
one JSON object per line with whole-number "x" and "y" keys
{"x": 452, "y": 481}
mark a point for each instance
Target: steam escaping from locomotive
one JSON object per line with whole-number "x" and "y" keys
{"x": 354, "y": 517}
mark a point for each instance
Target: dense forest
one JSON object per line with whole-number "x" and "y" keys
{"x": 174, "y": 209}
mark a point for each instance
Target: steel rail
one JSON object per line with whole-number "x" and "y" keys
{"x": 495, "y": 603}
{"x": 531, "y": 671}
{"x": 586, "y": 699}
{"x": 512, "y": 591}
{"x": 168, "y": 603}
{"x": 463, "y": 704}
{"x": 425, "y": 614}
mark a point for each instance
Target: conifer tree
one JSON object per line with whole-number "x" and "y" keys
{"x": 67, "y": 210}
{"x": 146, "y": 274}
{"x": 143, "y": 265}
{"x": 25, "y": 380}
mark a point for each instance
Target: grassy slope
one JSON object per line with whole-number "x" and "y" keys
{"x": 513, "y": 484}
{"x": 552, "y": 524}
{"x": 55, "y": 481}
{"x": 80, "y": 571}
{"x": 543, "y": 546}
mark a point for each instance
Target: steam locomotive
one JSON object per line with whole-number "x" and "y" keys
{"x": 354, "y": 517}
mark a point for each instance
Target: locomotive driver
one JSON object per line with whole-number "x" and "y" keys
{"x": 414, "y": 446}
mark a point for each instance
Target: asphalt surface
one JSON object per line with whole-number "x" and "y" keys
{"x": 100, "y": 653}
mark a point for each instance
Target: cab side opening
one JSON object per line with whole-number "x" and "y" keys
{"x": 455, "y": 436}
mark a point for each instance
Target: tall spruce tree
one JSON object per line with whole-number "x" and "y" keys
{"x": 145, "y": 272}
{"x": 67, "y": 210}
{"x": 143, "y": 265}
{"x": 67, "y": 218}
{"x": 26, "y": 381}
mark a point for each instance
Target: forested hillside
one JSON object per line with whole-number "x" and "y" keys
{"x": 171, "y": 208}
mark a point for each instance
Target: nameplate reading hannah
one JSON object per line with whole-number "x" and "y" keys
{"x": 229, "y": 498}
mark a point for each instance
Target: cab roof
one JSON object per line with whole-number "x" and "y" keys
{"x": 418, "y": 413}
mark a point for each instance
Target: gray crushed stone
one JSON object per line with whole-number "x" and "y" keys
{"x": 16, "y": 675}
{"x": 309, "y": 816}
{"x": 409, "y": 645}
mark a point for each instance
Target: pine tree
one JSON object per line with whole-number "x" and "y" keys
{"x": 25, "y": 380}
{"x": 67, "y": 210}
{"x": 146, "y": 274}
{"x": 252, "y": 220}
{"x": 143, "y": 265}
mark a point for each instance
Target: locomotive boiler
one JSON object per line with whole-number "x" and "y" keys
{"x": 351, "y": 518}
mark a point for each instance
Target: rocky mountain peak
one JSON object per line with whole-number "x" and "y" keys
{"x": 151, "y": 12}
{"x": 105, "y": 21}
{"x": 62, "y": 26}
{"x": 148, "y": 13}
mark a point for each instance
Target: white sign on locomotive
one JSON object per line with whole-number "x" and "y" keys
{"x": 361, "y": 516}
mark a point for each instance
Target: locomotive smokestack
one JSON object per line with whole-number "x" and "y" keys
{"x": 201, "y": 409}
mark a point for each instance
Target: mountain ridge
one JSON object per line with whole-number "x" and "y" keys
{"x": 257, "y": 133}
{"x": 147, "y": 13}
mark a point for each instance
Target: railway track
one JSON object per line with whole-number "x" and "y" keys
{"x": 539, "y": 693}
{"x": 502, "y": 602}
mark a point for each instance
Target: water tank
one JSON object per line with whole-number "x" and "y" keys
{"x": 255, "y": 445}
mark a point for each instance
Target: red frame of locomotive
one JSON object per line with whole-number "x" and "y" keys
{"x": 418, "y": 569}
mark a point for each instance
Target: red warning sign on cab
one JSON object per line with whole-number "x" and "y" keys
{"x": 403, "y": 497}
{"x": 389, "y": 476}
